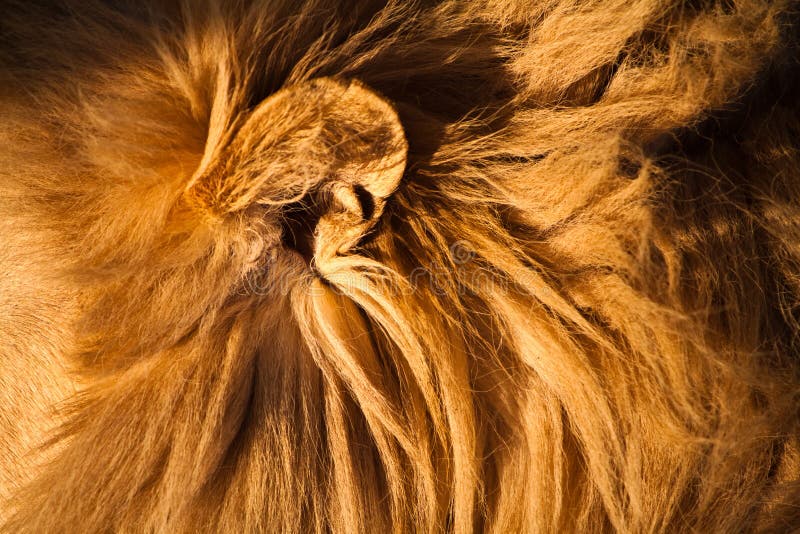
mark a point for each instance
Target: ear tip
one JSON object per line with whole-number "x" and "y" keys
{"x": 367, "y": 110}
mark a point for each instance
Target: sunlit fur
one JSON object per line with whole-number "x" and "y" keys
{"x": 578, "y": 311}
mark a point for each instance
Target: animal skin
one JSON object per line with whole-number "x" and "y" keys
{"x": 407, "y": 266}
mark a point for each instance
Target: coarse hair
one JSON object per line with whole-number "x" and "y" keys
{"x": 399, "y": 266}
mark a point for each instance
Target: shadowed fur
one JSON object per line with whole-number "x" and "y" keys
{"x": 490, "y": 266}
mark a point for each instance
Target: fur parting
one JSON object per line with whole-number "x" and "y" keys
{"x": 405, "y": 266}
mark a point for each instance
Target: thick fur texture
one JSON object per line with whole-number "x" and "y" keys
{"x": 416, "y": 266}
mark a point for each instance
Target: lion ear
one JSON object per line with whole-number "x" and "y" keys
{"x": 303, "y": 140}
{"x": 372, "y": 147}
{"x": 370, "y": 151}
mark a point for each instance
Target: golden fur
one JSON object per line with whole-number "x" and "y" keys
{"x": 405, "y": 266}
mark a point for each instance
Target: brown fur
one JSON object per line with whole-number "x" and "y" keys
{"x": 491, "y": 265}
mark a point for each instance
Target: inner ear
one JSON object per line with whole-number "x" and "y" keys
{"x": 298, "y": 223}
{"x": 366, "y": 200}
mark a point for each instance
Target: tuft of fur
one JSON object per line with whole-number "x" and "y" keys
{"x": 362, "y": 266}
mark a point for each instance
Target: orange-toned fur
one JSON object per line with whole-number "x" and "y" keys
{"x": 361, "y": 266}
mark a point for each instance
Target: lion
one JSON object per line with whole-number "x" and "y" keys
{"x": 399, "y": 266}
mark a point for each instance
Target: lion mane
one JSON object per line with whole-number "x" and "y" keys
{"x": 399, "y": 266}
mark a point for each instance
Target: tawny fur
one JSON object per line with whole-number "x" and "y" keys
{"x": 416, "y": 266}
